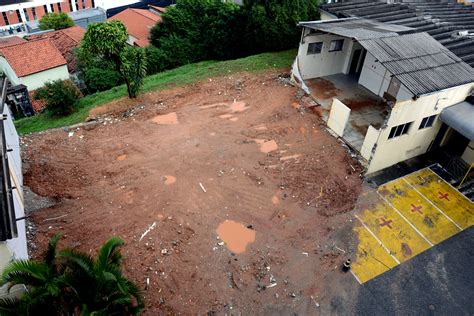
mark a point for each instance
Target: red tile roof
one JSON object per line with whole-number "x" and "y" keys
{"x": 32, "y": 57}
{"x": 38, "y": 105}
{"x": 65, "y": 41}
{"x": 9, "y": 41}
{"x": 138, "y": 23}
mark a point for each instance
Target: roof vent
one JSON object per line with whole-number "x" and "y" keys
{"x": 463, "y": 33}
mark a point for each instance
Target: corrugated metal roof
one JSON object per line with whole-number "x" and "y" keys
{"x": 358, "y": 29}
{"x": 421, "y": 63}
{"x": 460, "y": 117}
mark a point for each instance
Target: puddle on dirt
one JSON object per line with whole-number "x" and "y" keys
{"x": 235, "y": 235}
{"x": 121, "y": 157}
{"x": 290, "y": 157}
{"x": 275, "y": 200}
{"x": 266, "y": 146}
{"x": 238, "y": 106}
{"x": 169, "y": 180}
{"x": 166, "y": 119}
{"x": 225, "y": 116}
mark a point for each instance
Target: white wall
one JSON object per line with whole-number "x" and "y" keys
{"x": 110, "y": 4}
{"x": 38, "y": 79}
{"x": 416, "y": 142}
{"x": 326, "y": 63}
{"x": 374, "y": 76}
{"x": 29, "y": 4}
{"x": 15, "y": 248}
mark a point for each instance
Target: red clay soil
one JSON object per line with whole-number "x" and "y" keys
{"x": 192, "y": 174}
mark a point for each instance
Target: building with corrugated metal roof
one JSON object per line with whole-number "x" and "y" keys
{"x": 382, "y": 87}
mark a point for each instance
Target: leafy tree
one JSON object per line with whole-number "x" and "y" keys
{"x": 107, "y": 42}
{"x": 133, "y": 69}
{"x": 55, "y": 21}
{"x": 70, "y": 282}
{"x": 61, "y": 96}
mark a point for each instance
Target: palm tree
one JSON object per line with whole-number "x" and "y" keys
{"x": 70, "y": 282}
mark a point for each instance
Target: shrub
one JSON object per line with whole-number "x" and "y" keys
{"x": 55, "y": 21}
{"x": 99, "y": 79}
{"x": 60, "y": 95}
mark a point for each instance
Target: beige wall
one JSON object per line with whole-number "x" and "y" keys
{"x": 416, "y": 142}
{"x": 468, "y": 155}
{"x": 38, "y": 79}
{"x": 326, "y": 63}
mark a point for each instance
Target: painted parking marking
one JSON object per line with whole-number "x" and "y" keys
{"x": 427, "y": 219}
{"x": 372, "y": 259}
{"x": 455, "y": 205}
{"x": 402, "y": 241}
{"x": 405, "y": 217}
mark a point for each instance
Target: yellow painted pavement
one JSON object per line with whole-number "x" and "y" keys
{"x": 372, "y": 259}
{"x": 444, "y": 196}
{"x": 406, "y": 217}
{"x": 429, "y": 221}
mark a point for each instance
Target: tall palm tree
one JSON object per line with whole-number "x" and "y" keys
{"x": 70, "y": 282}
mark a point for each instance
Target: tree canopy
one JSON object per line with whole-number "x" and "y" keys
{"x": 55, "y": 21}
{"x": 106, "y": 44}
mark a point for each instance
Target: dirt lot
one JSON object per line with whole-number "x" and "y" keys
{"x": 189, "y": 159}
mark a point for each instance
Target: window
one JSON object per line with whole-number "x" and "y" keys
{"x": 77, "y": 4}
{"x": 70, "y": 6}
{"x": 83, "y": 4}
{"x": 399, "y": 130}
{"x": 5, "y": 18}
{"x": 315, "y": 48}
{"x": 60, "y": 9}
{"x": 52, "y": 7}
{"x": 427, "y": 122}
{"x": 33, "y": 11}
{"x": 18, "y": 15}
{"x": 26, "y": 15}
{"x": 45, "y": 7}
{"x": 336, "y": 45}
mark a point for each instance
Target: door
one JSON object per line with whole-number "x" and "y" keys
{"x": 355, "y": 61}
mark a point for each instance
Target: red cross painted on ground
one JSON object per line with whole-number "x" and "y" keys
{"x": 443, "y": 196}
{"x": 386, "y": 222}
{"x": 416, "y": 208}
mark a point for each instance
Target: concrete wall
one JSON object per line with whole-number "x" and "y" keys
{"x": 416, "y": 142}
{"x": 38, "y": 80}
{"x": 15, "y": 248}
{"x": 374, "y": 76}
{"x": 326, "y": 63}
{"x": 468, "y": 155}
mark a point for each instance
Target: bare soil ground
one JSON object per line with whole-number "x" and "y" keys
{"x": 263, "y": 161}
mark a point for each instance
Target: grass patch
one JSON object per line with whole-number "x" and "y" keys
{"x": 180, "y": 76}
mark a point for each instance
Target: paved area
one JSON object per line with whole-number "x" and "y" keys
{"x": 405, "y": 217}
{"x": 437, "y": 282}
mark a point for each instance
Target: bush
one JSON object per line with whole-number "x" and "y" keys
{"x": 55, "y": 21}
{"x": 99, "y": 79}
{"x": 60, "y": 95}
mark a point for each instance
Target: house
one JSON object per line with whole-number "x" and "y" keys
{"x": 450, "y": 23}
{"x": 33, "y": 63}
{"x": 138, "y": 23}
{"x": 12, "y": 221}
{"x": 65, "y": 40}
{"x": 382, "y": 87}
{"x": 17, "y": 15}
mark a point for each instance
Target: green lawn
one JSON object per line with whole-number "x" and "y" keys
{"x": 179, "y": 76}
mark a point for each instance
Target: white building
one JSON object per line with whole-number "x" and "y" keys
{"x": 12, "y": 224}
{"x": 382, "y": 89}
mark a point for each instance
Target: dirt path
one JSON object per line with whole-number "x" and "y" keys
{"x": 228, "y": 149}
